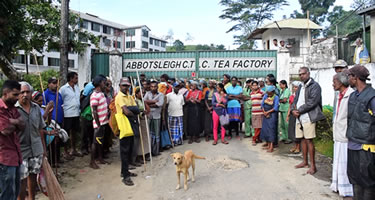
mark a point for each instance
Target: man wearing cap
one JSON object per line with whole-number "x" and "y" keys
{"x": 122, "y": 101}
{"x": 50, "y": 96}
{"x": 71, "y": 96}
{"x": 339, "y": 66}
{"x": 307, "y": 108}
{"x": 361, "y": 134}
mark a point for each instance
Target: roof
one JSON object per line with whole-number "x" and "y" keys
{"x": 301, "y": 23}
{"x": 94, "y": 18}
{"x": 158, "y": 38}
{"x": 137, "y": 27}
{"x": 367, "y": 10}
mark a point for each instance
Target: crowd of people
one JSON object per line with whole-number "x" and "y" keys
{"x": 149, "y": 116}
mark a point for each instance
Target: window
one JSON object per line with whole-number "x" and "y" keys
{"x": 39, "y": 59}
{"x": 157, "y": 42}
{"x": 53, "y": 61}
{"x": 130, "y": 44}
{"x": 144, "y": 45}
{"x": 151, "y": 50}
{"x": 107, "y": 42}
{"x": 156, "y": 50}
{"x": 85, "y": 24}
{"x": 71, "y": 64}
{"x": 130, "y": 32}
{"x": 106, "y": 29}
{"x": 19, "y": 59}
{"x": 117, "y": 32}
{"x": 118, "y": 44}
{"x": 95, "y": 26}
{"x": 163, "y": 44}
{"x": 294, "y": 49}
{"x": 151, "y": 41}
{"x": 144, "y": 33}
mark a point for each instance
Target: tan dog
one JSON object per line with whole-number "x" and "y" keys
{"x": 183, "y": 163}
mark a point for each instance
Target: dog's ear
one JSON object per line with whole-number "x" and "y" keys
{"x": 172, "y": 154}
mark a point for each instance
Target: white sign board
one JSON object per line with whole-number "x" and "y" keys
{"x": 162, "y": 64}
{"x": 252, "y": 63}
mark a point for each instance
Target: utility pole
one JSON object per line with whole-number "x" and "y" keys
{"x": 64, "y": 41}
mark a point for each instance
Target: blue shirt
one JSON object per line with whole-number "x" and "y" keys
{"x": 276, "y": 101}
{"x": 51, "y": 96}
{"x": 89, "y": 88}
{"x": 234, "y": 91}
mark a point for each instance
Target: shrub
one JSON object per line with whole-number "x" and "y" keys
{"x": 34, "y": 79}
{"x": 324, "y": 130}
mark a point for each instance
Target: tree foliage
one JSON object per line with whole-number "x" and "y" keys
{"x": 351, "y": 23}
{"x": 199, "y": 47}
{"x": 33, "y": 25}
{"x": 34, "y": 79}
{"x": 248, "y": 15}
{"x": 357, "y": 3}
{"x": 178, "y": 45}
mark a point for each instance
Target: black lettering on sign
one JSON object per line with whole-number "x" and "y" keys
{"x": 192, "y": 63}
{"x": 246, "y": 63}
{"x": 215, "y": 63}
{"x": 185, "y": 64}
{"x": 235, "y": 63}
{"x": 128, "y": 65}
{"x": 226, "y": 64}
{"x": 178, "y": 64}
{"x": 151, "y": 62}
{"x": 166, "y": 63}
{"x": 204, "y": 64}
{"x": 221, "y": 63}
{"x": 252, "y": 62}
{"x": 240, "y": 64}
{"x": 269, "y": 63}
{"x": 264, "y": 62}
{"x": 172, "y": 64}
{"x": 145, "y": 65}
{"x": 257, "y": 64}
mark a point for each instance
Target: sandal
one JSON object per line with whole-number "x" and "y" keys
{"x": 76, "y": 154}
{"x": 68, "y": 157}
{"x": 254, "y": 143}
{"x": 214, "y": 143}
{"x": 293, "y": 150}
{"x": 224, "y": 142}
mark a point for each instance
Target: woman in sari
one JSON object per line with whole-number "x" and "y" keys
{"x": 270, "y": 107}
{"x": 219, "y": 103}
{"x": 292, "y": 120}
{"x": 193, "y": 100}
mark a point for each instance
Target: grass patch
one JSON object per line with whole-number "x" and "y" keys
{"x": 324, "y": 147}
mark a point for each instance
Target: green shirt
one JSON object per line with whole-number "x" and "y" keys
{"x": 248, "y": 104}
{"x": 284, "y": 94}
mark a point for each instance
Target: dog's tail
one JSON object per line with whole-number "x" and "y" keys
{"x": 198, "y": 157}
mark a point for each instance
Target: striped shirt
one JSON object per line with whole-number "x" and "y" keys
{"x": 98, "y": 99}
{"x": 256, "y": 98}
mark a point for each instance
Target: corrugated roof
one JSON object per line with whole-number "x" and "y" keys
{"x": 286, "y": 23}
{"x": 370, "y": 9}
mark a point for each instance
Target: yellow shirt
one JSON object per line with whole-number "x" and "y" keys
{"x": 122, "y": 99}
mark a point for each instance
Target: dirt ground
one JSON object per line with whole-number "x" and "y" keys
{"x": 234, "y": 171}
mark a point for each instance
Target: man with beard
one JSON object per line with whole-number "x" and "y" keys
{"x": 10, "y": 154}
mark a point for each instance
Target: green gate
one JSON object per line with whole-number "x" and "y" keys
{"x": 99, "y": 64}
{"x": 201, "y": 64}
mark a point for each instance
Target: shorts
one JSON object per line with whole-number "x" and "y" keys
{"x": 99, "y": 134}
{"x": 71, "y": 123}
{"x": 31, "y": 166}
{"x": 308, "y": 131}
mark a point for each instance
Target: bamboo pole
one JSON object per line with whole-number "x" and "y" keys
{"x": 139, "y": 126}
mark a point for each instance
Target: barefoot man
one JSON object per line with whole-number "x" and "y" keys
{"x": 307, "y": 108}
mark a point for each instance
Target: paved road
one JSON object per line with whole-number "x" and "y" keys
{"x": 234, "y": 171}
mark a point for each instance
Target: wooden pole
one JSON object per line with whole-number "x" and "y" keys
{"x": 64, "y": 48}
{"x": 140, "y": 129}
{"x": 56, "y": 111}
{"x": 147, "y": 128}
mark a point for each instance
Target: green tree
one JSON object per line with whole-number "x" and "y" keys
{"x": 33, "y": 25}
{"x": 248, "y": 15}
{"x": 348, "y": 25}
{"x": 363, "y": 3}
{"x": 178, "y": 45}
{"x": 318, "y": 11}
{"x": 34, "y": 79}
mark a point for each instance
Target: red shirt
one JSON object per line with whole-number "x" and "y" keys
{"x": 10, "y": 152}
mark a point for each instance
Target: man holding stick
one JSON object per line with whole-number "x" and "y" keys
{"x": 11, "y": 122}
{"x": 122, "y": 101}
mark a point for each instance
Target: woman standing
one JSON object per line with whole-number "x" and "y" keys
{"x": 219, "y": 102}
{"x": 270, "y": 106}
{"x": 247, "y": 108}
{"x": 208, "y": 109}
{"x": 284, "y": 107}
{"x": 234, "y": 107}
{"x": 193, "y": 100}
{"x": 292, "y": 120}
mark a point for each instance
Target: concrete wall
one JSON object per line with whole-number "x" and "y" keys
{"x": 322, "y": 54}
{"x": 115, "y": 69}
{"x": 372, "y": 24}
{"x": 84, "y": 69}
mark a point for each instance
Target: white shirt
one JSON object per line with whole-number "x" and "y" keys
{"x": 71, "y": 100}
{"x": 175, "y": 104}
{"x": 340, "y": 123}
{"x": 304, "y": 118}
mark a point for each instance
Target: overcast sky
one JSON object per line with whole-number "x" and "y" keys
{"x": 198, "y": 18}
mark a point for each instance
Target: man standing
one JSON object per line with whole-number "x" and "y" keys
{"x": 71, "y": 96}
{"x": 361, "y": 134}
{"x": 175, "y": 103}
{"x": 307, "y": 108}
{"x": 11, "y": 123}
{"x": 31, "y": 140}
{"x": 122, "y": 101}
{"x": 155, "y": 101}
{"x": 361, "y": 55}
{"x": 340, "y": 181}
{"x": 99, "y": 108}
{"x": 339, "y": 66}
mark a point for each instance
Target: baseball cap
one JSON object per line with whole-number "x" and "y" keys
{"x": 125, "y": 81}
{"x": 340, "y": 63}
{"x": 359, "y": 71}
{"x": 52, "y": 79}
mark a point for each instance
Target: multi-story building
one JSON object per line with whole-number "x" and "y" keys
{"x": 112, "y": 36}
